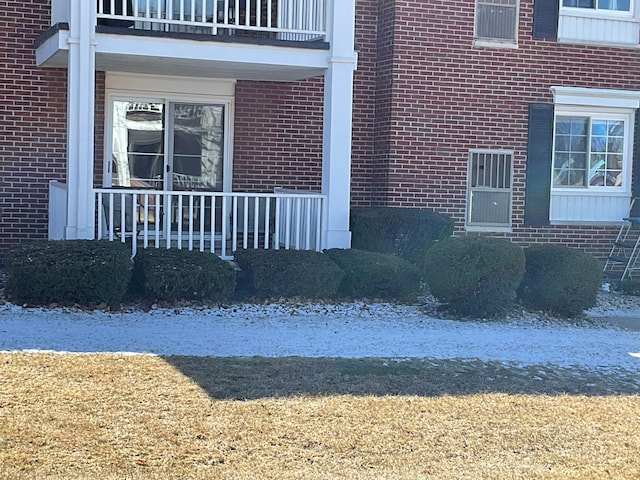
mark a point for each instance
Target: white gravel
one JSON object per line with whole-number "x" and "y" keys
{"x": 350, "y": 330}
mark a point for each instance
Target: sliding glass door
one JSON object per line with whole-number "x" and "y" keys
{"x": 167, "y": 146}
{"x": 174, "y": 147}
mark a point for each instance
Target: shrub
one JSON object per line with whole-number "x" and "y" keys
{"x": 560, "y": 280}
{"x": 406, "y": 232}
{"x": 475, "y": 276}
{"x": 371, "y": 274}
{"x": 178, "y": 274}
{"x": 68, "y": 272}
{"x": 289, "y": 273}
{"x": 630, "y": 286}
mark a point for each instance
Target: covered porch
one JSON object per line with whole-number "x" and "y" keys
{"x": 166, "y": 177}
{"x": 216, "y": 222}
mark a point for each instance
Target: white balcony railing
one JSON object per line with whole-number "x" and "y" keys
{"x": 298, "y": 20}
{"x": 216, "y": 222}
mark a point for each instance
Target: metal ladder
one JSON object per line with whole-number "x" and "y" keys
{"x": 622, "y": 261}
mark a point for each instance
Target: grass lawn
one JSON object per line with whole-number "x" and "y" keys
{"x": 109, "y": 416}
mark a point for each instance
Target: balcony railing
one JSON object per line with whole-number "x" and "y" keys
{"x": 298, "y": 20}
{"x": 216, "y": 222}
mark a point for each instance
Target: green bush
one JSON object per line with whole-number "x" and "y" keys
{"x": 630, "y": 286}
{"x": 378, "y": 275}
{"x": 406, "y": 232}
{"x": 68, "y": 272}
{"x": 179, "y": 274}
{"x": 560, "y": 280}
{"x": 289, "y": 273}
{"x": 475, "y": 276}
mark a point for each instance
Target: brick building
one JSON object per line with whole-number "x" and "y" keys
{"x": 222, "y": 125}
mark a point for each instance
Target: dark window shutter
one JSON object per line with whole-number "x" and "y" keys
{"x": 545, "y": 18}
{"x": 539, "y": 155}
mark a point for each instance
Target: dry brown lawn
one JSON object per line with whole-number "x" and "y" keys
{"x": 109, "y": 416}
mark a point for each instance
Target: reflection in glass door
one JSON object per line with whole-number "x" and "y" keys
{"x": 197, "y": 147}
{"x": 137, "y": 157}
{"x": 196, "y": 163}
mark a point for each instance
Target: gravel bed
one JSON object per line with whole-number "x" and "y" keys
{"x": 526, "y": 351}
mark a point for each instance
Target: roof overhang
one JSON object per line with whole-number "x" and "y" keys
{"x": 190, "y": 55}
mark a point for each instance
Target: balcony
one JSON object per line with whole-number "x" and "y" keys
{"x": 278, "y": 40}
{"x": 267, "y": 19}
{"x": 171, "y": 63}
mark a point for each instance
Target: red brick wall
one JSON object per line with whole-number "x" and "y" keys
{"x": 385, "y": 54}
{"x": 423, "y": 97}
{"x": 32, "y": 124}
{"x": 278, "y": 126}
{"x": 448, "y": 97}
{"x": 276, "y": 142}
{"x": 364, "y": 103}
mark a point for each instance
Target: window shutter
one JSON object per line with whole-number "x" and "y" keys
{"x": 545, "y": 18}
{"x": 539, "y": 154}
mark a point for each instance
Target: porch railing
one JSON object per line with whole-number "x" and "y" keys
{"x": 57, "y": 209}
{"x": 216, "y": 222}
{"x": 298, "y": 20}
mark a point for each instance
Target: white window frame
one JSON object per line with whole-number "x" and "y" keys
{"x": 495, "y": 42}
{"x": 485, "y": 226}
{"x": 598, "y": 113}
{"x": 593, "y": 26}
{"x": 599, "y": 12}
{"x": 570, "y": 205}
{"x": 167, "y": 90}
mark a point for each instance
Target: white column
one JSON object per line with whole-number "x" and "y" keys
{"x": 80, "y": 120}
{"x": 338, "y": 112}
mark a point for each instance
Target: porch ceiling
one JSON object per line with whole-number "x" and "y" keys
{"x": 188, "y": 57}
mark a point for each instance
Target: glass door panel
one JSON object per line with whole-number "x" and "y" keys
{"x": 197, "y": 155}
{"x": 138, "y": 145}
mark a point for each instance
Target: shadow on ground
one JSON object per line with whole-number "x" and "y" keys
{"x": 251, "y": 378}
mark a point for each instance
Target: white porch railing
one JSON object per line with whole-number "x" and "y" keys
{"x": 217, "y": 222}
{"x": 57, "y": 209}
{"x": 298, "y": 20}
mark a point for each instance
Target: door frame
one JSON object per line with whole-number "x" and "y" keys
{"x": 138, "y": 87}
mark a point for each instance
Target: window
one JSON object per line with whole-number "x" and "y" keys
{"x": 615, "y": 5}
{"x": 580, "y": 156}
{"x": 599, "y": 22}
{"x": 489, "y": 192}
{"x": 496, "y": 20}
{"x": 589, "y": 151}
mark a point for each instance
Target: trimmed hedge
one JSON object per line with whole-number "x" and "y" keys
{"x": 288, "y": 273}
{"x": 377, "y": 275}
{"x": 560, "y": 280}
{"x": 68, "y": 272}
{"x": 475, "y": 276}
{"x": 179, "y": 274}
{"x": 630, "y": 286}
{"x": 406, "y": 232}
